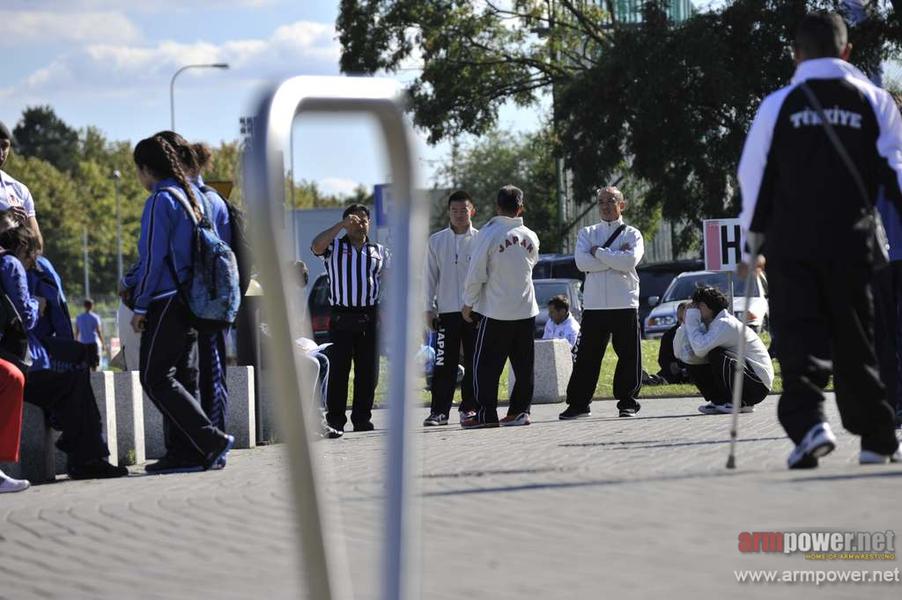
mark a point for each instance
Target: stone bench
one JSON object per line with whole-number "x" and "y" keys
{"x": 241, "y": 419}
{"x": 553, "y": 366}
{"x": 131, "y": 425}
{"x": 40, "y": 461}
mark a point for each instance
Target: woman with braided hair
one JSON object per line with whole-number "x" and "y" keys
{"x": 168, "y": 357}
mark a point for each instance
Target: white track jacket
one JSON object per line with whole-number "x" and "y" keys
{"x": 499, "y": 281}
{"x": 447, "y": 263}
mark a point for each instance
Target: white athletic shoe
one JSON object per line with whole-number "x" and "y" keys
{"x": 818, "y": 442}
{"x": 9, "y": 485}
{"x": 868, "y": 457}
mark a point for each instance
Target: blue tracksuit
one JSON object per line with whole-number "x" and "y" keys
{"x": 211, "y": 347}
{"x": 168, "y": 361}
{"x": 164, "y": 246}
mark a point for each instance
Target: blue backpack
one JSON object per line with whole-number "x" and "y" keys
{"x": 211, "y": 292}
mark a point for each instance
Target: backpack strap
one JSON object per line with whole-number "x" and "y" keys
{"x": 614, "y": 235}
{"x": 183, "y": 200}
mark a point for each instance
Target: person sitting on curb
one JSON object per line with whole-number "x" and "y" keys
{"x": 708, "y": 342}
{"x": 560, "y": 323}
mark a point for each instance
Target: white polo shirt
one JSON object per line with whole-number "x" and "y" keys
{"x": 568, "y": 329}
{"x": 15, "y": 193}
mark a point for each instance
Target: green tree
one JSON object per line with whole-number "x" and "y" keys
{"x": 498, "y": 159}
{"x": 42, "y": 134}
{"x": 666, "y": 105}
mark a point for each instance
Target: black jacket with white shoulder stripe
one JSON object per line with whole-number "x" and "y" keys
{"x": 795, "y": 187}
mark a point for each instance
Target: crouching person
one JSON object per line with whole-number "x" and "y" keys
{"x": 708, "y": 342}
{"x": 63, "y": 390}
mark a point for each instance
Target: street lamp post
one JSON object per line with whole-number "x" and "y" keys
{"x": 116, "y": 177}
{"x": 172, "y": 86}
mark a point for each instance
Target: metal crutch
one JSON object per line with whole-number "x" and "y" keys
{"x": 754, "y": 242}
{"x": 264, "y": 191}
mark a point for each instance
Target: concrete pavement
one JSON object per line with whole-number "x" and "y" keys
{"x": 596, "y": 508}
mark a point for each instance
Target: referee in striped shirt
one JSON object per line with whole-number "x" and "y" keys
{"x": 355, "y": 266}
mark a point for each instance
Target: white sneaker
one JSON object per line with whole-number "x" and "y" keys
{"x": 818, "y": 442}
{"x": 515, "y": 420}
{"x": 869, "y": 457}
{"x": 9, "y": 485}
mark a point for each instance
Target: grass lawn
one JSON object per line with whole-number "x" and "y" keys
{"x": 604, "y": 388}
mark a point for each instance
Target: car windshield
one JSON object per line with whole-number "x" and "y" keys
{"x": 546, "y": 291}
{"x": 683, "y": 287}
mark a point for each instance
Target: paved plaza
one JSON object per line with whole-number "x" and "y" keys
{"x": 596, "y": 508}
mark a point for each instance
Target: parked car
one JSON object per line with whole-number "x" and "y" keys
{"x": 557, "y": 266}
{"x": 663, "y": 316}
{"x": 546, "y": 289}
{"x": 655, "y": 278}
{"x": 319, "y": 308}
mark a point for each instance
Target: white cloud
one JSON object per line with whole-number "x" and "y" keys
{"x": 29, "y": 27}
{"x": 337, "y": 186}
{"x": 114, "y": 69}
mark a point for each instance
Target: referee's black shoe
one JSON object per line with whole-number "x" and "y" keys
{"x": 365, "y": 426}
{"x": 574, "y": 412}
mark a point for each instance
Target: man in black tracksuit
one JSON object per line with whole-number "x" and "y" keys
{"x": 801, "y": 199}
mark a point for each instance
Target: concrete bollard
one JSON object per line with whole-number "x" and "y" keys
{"x": 129, "y": 418}
{"x": 102, "y": 383}
{"x": 553, "y": 366}
{"x": 37, "y": 454}
{"x": 241, "y": 419}
{"x": 154, "y": 440}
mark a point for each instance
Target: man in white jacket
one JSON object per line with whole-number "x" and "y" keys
{"x": 499, "y": 293}
{"x": 708, "y": 341}
{"x": 447, "y": 263}
{"x": 608, "y": 253}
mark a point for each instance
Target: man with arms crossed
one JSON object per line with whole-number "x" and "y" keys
{"x": 608, "y": 253}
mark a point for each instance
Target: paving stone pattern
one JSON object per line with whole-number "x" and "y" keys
{"x": 596, "y": 508}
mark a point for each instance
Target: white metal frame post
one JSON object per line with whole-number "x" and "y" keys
{"x": 265, "y": 190}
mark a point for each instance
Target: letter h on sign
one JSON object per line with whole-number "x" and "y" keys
{"x": 727, "y": 242}
{"x": 723, "y": 244}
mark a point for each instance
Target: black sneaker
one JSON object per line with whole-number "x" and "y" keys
{"x": 628, "y": 412}
{"x": 367, "y": 426}
{"x": 224, "y": 444}
{"x": 574, "y": 412}
{"x": 174, "y": 464}
{"x": 95, "y": 469}
{"x": 435, "y": 419}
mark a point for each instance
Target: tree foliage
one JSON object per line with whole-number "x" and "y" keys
{"x": 75, "y": 192}
{"x": 498, "y": 159}
{"x": 42, "y": 134}
{"x": 665, "y": 104}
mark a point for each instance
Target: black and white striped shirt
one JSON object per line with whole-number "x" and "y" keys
{"x": 355, "y": 276}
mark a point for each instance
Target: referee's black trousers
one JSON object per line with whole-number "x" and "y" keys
{"x": 496, "y": 342}
{"x": 823, "y": 315}
{"x": 353, "y": 337}
{"x": 452, "y": 334}
{"x": 598, "y": 327}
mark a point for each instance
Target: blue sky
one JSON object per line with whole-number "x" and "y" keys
{"x": 108, "y": 63}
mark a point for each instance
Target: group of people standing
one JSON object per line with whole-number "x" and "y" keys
{"x": 52, "y": 369}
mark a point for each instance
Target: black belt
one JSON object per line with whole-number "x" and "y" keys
{"x": 355, "y": 309}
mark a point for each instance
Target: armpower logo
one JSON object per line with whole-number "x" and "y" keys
{"x": 822, "y": 545}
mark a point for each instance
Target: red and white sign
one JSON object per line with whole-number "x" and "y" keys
{"x": 723, "y": 244}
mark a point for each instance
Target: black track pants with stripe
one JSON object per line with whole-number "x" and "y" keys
{"x": 715, "y": 380}
{"x": 453, "y": 333}
{"x": 598, "y": 327}
{"x": 496, "y": 342}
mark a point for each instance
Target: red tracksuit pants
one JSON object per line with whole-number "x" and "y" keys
{"x": 12, "y": 384}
